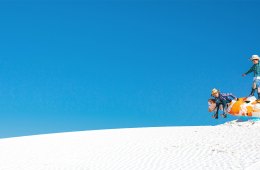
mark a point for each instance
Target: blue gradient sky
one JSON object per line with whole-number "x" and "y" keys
{"x": 69, "y": 66}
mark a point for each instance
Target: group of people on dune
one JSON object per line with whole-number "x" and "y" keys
{"x": 223, "y": 99}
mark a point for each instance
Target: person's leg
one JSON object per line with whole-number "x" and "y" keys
{"x": 224, "y": 104}
{"x": 252, "y": 92}
{"x": 257, "y": 82}
{"x": 258, "y": 93}
{"x": 253, "y": 89}
{"x": 215, "y": 116}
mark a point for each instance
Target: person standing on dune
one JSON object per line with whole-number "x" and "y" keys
{"x": 256, "y": 80}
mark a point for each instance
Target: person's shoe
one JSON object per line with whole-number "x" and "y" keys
{"x": 215, "y": 116}
{"x": 258, "y": 100}
{"x": 224, "y": 115}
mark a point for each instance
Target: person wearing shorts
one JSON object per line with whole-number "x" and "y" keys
{"x": 256, "y": 80}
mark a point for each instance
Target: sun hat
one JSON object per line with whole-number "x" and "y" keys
{"x": 255, "y": 57}
{"x": 214, "y": 91}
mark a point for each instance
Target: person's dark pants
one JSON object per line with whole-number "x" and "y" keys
{"x": 224, "y": 104}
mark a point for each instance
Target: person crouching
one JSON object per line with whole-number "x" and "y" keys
{"x": 221, "y": 99}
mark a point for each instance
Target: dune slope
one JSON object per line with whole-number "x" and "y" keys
{"x": 234, "y": 145}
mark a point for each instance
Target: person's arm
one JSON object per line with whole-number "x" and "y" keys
{"x": 229, "y": 95}
{"x": 250, "y": 70}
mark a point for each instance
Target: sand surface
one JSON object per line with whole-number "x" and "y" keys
{"x": 234, "y": 145}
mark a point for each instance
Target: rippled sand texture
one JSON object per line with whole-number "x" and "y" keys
{"x": 234, "y": 145}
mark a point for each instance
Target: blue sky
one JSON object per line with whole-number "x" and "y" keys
{"x": 69, "y": 66}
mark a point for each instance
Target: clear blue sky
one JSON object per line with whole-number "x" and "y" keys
{"x": 69, "y": 66}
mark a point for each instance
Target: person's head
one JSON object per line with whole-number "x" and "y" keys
{"x": 255, "y": 59}
{"x": 215, "y": 92}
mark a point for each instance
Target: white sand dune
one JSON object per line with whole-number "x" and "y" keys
{"x": 234, "y": 145}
